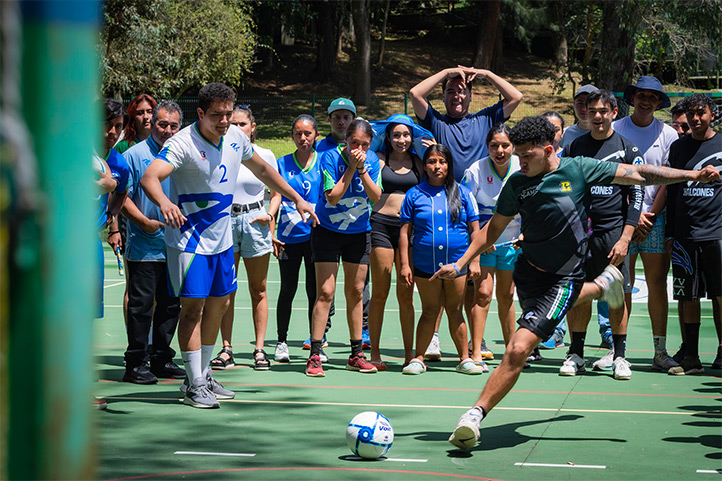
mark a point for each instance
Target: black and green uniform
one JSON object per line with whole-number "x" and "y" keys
{"x": 554, "y": 221}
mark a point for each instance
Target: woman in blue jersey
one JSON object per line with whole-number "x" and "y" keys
{"x": 351, "y": 178}
{"x": 441, "y": 215}
{"x": 401, "y": 170}
{"x": 485, "y": 178}
{"x": 292, "y": 243}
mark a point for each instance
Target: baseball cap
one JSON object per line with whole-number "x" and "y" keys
{"x": 342, "y": 104}
{"x": 585, "y": 89}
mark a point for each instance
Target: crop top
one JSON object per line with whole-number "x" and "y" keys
{"x": 398, "y": 183}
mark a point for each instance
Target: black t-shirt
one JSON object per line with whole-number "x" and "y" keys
{"x": 694, "y": 210}
{"x": 611, "y": 206}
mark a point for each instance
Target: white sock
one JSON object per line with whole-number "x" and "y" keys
{"x": 206, "y": 356}
{"x": 660, "y": 344}
{"x": 192, "y": 364}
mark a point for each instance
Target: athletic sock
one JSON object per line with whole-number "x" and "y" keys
{"x": 206, "y": 356}
{"x": 619, "y": 341}
{"x": 192, "y": 364}
{"x": 660, "y": 344}
{"x": 356, "y": 346}
{"x": 577, "y": 346}
{"x": 481, "y": 410}
{"x": 316, "y": 347}
{"x": 692, "y": 342}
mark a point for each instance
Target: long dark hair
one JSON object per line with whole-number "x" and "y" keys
{"x": 452, "y": 188}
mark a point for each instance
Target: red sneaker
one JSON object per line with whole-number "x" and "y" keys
{"x": 360, "y": 363}
{"x": 314, "y": 367}
{"x": 100, "y": 404}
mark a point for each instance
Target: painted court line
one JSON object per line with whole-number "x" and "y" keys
{"x": 398, "y": 460}
{"x": 119, "y": 283}
{"x": 709, "y": 471}
{"x": 417, "y": 406}
{"x": 544, "y": 465}
{"x": 202, "y": 453}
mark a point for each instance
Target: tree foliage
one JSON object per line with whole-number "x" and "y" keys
{"x": 168, "y": 46}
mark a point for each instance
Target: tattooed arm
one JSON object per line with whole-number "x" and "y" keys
{"x": 645, "y": 174}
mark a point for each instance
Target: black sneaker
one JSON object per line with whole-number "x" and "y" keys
{"x": 169, "y": 370}
{"x": 680, "y": 353}
{"x": 534, "y": 356}
{"x": 689, "y": 365}
{"x": 139, "y": 375}
{"x": 717, "y": 364}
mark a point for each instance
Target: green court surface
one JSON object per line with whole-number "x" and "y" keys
{"x": 284, "y": 425}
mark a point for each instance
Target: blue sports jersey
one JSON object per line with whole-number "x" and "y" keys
{"x": 437, "y": 240}
{"x": 121, "y": 173}
{"x": 351, "y": 213}
{"x": 307, "y": 182}
{"x": 141, "y": 245}
{"x": 327, "y": 143}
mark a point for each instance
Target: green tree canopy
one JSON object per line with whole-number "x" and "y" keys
{"x": 168, "y": 46}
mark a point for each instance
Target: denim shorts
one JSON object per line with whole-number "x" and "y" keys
{"x": 655, "y": 241}
{"x": 251, "y": 240}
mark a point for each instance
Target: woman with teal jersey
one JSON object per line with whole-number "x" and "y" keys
{"x": 351, "y": 178}
{"x": 485, "y": 178}
{"x": 292, "y": 243}
{"x": 442, "y": 216}
{"x": 401, "y": 170}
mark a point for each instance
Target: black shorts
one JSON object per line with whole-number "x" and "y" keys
{"x": 426, "y": 275}
{"x": 696, "y": 269}
{"x": 545, "y": 298}
{"x": 330, "y": 246}
{"x": 385, "y": 231}
{"x": 600, "y": 245}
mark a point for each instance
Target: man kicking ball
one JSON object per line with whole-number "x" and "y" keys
{"x": 549, "y": 194}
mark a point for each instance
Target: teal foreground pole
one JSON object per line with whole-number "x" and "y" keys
{"x": 53, "y": 272}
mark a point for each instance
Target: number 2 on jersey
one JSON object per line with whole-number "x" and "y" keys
{"x": 223, "y": 177}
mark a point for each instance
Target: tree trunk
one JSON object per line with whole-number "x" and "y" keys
{"x": 558, "y": 17}
{"x": 489, "y": 22}
{"x": 327, "y": 28}
{"x": 362, "y": 29}
{"x": 382, "y": 44}
{"x": 616, "y": 61}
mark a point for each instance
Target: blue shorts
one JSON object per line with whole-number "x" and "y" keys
{"x": 502, "y": 259}
{"x": 251, "y": 240}
{"x": 200, "y": 276}
{"x": 655, "y": 241}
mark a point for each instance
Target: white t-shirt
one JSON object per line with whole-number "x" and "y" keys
{"x": 653, "y": 141}
{"x": 485, "y": 185}
{"x": 202, "y": 186}
{"x": 249, "y": 188}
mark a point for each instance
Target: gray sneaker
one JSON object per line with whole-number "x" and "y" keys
{"x": 466, "y": 434}
{"x": 605, "y": 363}
{"x": 281, "y": 354}
{"x": 199, "y": 396}
{"x": 433, "y": 351}
{"x": 214, "y": 386}
{"x": 663, "y": 362}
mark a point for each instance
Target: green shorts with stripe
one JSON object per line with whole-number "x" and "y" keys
{"x": 545, "y": 298}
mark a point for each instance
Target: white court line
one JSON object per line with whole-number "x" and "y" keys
{"x": 202, "y": 453}
{"x": 399, "y": 460}
{"x": 710, "y": 471}
{"x": 587, "y": 466}
{"x": 120, "y": 283}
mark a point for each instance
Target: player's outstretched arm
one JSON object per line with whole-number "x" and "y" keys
{"x": 158, "y": 171}
{"x": 646, "y": 174}
{"x": 485, "y": 239}
{"x": 270, "y": 176}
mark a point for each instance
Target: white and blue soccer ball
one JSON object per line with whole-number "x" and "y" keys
{"x": 369, "y": 435}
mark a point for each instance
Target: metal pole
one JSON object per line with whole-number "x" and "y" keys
{"x": 406, "y": 103}
{"x": 54, "y": 291}
{"x": 313, "y": 105}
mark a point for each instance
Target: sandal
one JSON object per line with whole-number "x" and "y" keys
{"x": 261, "y": 363}
{"x": 219, "y": 364}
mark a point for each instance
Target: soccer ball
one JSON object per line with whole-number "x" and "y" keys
{"x": 369, "y": 435}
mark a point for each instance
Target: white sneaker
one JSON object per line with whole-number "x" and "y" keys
{"x": 322, "y": 355}
{"x": 466, "y": 434}
{"x": 281, "y": 354}
{"x": 433, "y": 352}
{"x": 610, "y": 280}
{"x": 622, "y": 369}
{"x": 605, "y": 363}
{"x": 572, "y": 366}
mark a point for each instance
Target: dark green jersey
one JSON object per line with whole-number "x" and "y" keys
{"x": 554, "y": 220}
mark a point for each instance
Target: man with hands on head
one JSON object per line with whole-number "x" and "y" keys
{"x": 463, "y": 132}
{"x": 549, "y": 192}
{"x": 204, "y": 159}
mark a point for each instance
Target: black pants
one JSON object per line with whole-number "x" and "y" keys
{"x": 148, "y": 282}
{"x": 290, "y": 266}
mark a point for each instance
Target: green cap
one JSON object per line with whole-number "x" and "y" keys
{"x": 342, "y": 104}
